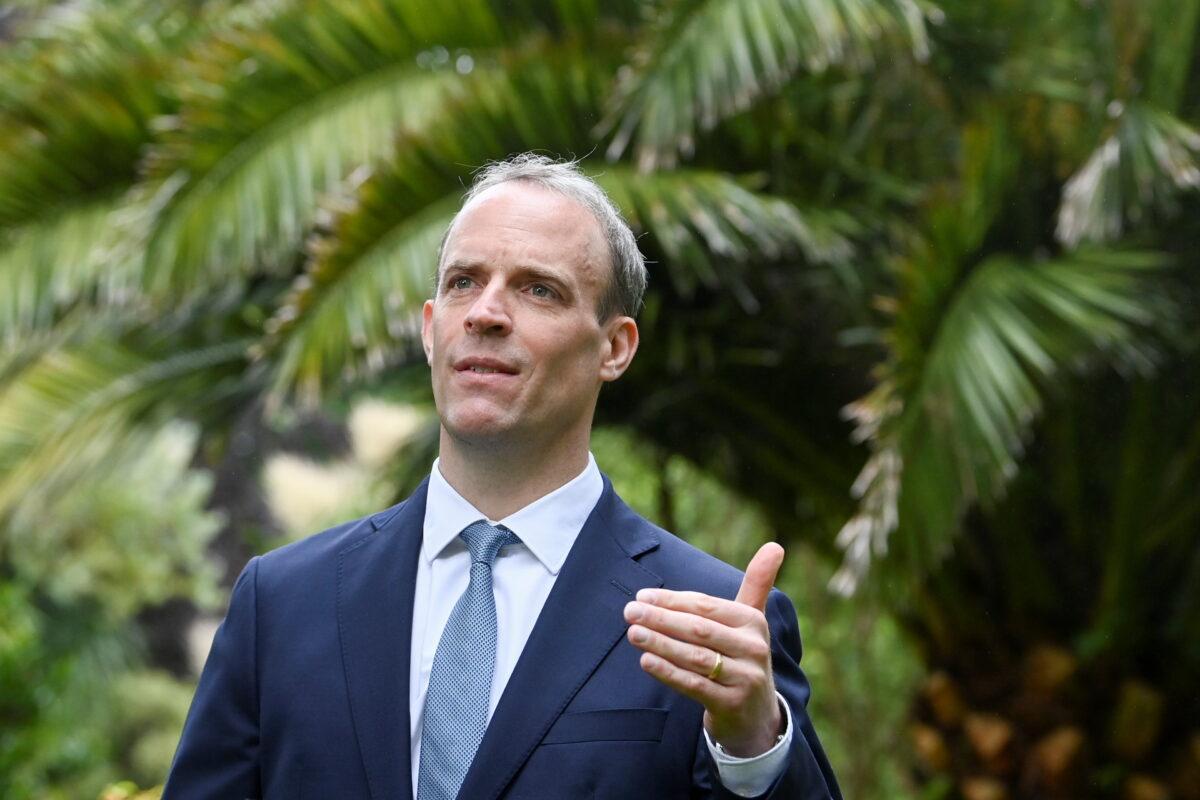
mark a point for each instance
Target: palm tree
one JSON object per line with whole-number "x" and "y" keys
{"x": 964, "y": 224}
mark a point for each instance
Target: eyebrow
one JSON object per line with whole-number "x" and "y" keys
{"x": 537, "y": 273}
{"x": 459, "y": 264}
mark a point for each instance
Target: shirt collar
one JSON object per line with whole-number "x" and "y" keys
{"x": 548, "y": 526}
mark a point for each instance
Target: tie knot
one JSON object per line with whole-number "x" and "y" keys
{"x": 484, "y": 541}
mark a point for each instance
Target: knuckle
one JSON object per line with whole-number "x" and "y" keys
{"x": 700, "y": 658}
{"x": 702, "y": 629}
{"x": 759, "y": 650}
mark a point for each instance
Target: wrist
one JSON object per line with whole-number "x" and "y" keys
{"x": 755, "y": 742}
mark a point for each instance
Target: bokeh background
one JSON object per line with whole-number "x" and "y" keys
{"x": 923, "y": 307}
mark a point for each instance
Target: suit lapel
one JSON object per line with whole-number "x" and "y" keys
{"x": 579, "y": 624}
{"x": 376, "y": 578}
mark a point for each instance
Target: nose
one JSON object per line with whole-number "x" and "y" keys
{"x": 489, "y": 314}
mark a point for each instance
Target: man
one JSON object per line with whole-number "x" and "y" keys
{"x": 511, "y": 630}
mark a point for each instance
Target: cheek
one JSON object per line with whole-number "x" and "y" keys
{"x": 577, "y": 350}
{"x": 577, "y": 370}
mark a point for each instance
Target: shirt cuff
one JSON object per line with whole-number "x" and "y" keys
{"x": 750, "y": 777}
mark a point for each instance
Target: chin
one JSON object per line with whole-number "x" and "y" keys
{"x": 477, "y": 427}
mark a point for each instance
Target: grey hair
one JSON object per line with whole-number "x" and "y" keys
{"x": 628, "y": 282}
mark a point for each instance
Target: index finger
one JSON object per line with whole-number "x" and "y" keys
{"x": 717, "y": 609}
{"x": 760, "y": 576}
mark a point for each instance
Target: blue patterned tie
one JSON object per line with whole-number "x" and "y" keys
{"x": 460, "y": 683}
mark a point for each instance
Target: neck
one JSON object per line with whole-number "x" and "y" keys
{"x": 502, "y": 480}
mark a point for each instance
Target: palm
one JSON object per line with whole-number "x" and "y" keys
{"x": 845, "y": 206}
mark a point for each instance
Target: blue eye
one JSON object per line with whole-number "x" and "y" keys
{"x": 540, "y": 290}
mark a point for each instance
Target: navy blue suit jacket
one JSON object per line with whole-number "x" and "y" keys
{"x": 305, "y": 692}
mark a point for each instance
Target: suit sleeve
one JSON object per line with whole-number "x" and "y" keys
{"x": 218, "y": 752}
{"x": 807, "y": 775}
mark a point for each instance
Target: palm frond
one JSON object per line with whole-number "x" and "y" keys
{"x": 49, "y": 265}
{"x": 709, "y": 59}
{"x": 70, "y": 403}
{"x": 1148, "y": 159}
{"x": 79, "y": 87}
{"x": 367, "y": 312}
{"x": 953, "y": 435}
{"x": 276, "y": 115}
{"x": 710, "y": 226}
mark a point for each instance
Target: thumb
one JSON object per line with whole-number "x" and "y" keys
{"x": 760, "y": 576}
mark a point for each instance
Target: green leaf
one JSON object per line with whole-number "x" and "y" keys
{"x": 1140, "y": 168}
{"x": 1175, "y": 25}
{"x": 951, "y": 436}
{"x": 368, "y": 311}
{"x": 79, "y": 87}
{"x": 128, "y": 529}
{"x": 276, "y": 115}
{"x": 48, "y": 266}
{"x": 705, "y": 60}
{"x": 71, "y": 404}
{"x": 711, "y": 227}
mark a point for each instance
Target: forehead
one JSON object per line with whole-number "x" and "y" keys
{"x": 522, "y": 224}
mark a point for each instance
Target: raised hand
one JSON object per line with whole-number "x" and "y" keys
{"x": 717, "y": 652}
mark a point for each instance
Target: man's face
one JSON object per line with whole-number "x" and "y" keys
{"x": 512, "y": 338}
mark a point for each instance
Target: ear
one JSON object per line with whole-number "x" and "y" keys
{"x": 621, "y": 344}
{"x": 427, "y": 330}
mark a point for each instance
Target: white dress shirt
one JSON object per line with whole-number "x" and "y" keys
{"x": 522, "y": 579}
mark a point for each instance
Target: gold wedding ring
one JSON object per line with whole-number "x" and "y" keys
{"x": 715, "y": 672}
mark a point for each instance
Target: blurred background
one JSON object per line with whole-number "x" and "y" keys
{"x": 923, "y": 307}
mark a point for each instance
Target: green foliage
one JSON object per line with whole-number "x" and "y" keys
{"x": 953, "y": 438}
{"x": 701, "y": 62}
{"x": 863, "y": 669}
{"x": 151, "y": 709}
{"x": 76, "y": 565}
{"x": 97, "y": 539}
{"x": 73, "y": 406}
{"x": 81, "y": 85}
{"x": 54, "y": 668}
{"x": 1136, "y": 171}
{"x": 50, "y": 265}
